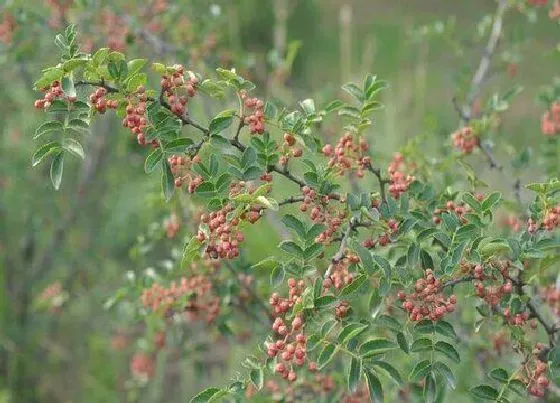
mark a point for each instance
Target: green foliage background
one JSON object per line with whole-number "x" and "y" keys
{"x": 67, "y": 356}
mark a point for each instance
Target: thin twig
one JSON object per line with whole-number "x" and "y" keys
{"x": 456, "y": 281}
{"x": 342, "y": 249}
{"x": 382, "y": 182}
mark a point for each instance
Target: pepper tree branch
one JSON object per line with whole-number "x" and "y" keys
{"x": 342, "y": 249}
{"x": 550, "y": 329}
{"x": 479, "y": 76}
{"x": 382, "y": 182}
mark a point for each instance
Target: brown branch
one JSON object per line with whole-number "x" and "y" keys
{"x": 456, "y": 281}
{"x": 342, "y": 249}
{"x": 382, "y": 182}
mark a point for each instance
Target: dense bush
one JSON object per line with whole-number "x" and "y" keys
{"x": 405, "y": 280}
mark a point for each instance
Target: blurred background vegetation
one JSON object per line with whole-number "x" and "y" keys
{"x": 84, "y": 239}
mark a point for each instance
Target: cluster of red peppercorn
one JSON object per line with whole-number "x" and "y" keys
{"x": 172, "y": 225}
{"x": 399, "y": 181}
{"x": 495, "y": 270}
{"x": 53, "y": 297}
{"x": 550, "y": 222}
{"x": 552, "y": 218}
{"x": 143, "y": 365}
{"x": 115, "y": 29}
{"x": 223, "y": 236}
{"x": 511, "y": 221}
{"x": 427, "y": 302}
{"x": 7, "y": 28}
{"x": 51, "y": 93}
{"x": 464, "y": 140}
{"x": 361, "y": 395}
{"x": 98, "y": 101}
{"x": 172, "y": 85}
{"x": 181, "y": 170}
{"x": 319, "y": 384}
{"x": 322, "y": 213}
{"x": 340, "y": 274}
{"x": 537, "y": 3}
{"x": 385, "y": 239}
{"x": 534, "y": 372}
{"x": 550, "y": 121}
{"x": 348, "y": 154}
{"x": 460, "y": 209}
{"x": 135, "y": 119}
{"x": 201, "y": 303}
{"x": 551, "y": 295}
{"x": 290, "y": 344}
{"x": 255, "y": 119}
{"x": 289, "y": 150}
{"x": 341, "y": 309}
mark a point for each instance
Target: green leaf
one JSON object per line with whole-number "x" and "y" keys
{"x": 270, "y": 110}
{"x": 44, "y": 151}
{"x": 73, "y": 146}
{"x": 445, "y": 328}
{"x": 334, "y": 105}
{"x": 308, "y": 106}
{"x": 484, "y": 392}
{"x": 269, "y": 263}
{"x": 412, "y": 254}
{"x": 47, "y": 127}
{"x": 354, "y": 374}
{"x": 135, "y": 65}
{"x": 446, "y": 372}
{"x": 326, "y": 355}
{"x": 421, "y": 344}
{"x": 376, "y": 346}
{"x": 349, "y": 111}
{"x": 354, "y": 91}
{"x": 499, "y": 374}
{"x": 78, "y": 125}
{"x": 383, "y": 264}
{"x": 403, "y": 343}
{"x": 49, "y": 75}
{"x": 374, "y": 386}
{"x": 313, "y": 251}
{"x": 167, "y": 180}
{"x": 492, "y": 199}
{"x": 472, "y": 201}
{"x": 365, "y": 257}
{"x": 221, "y": 121}
{"x": 388, "y": 322}
{"x": 177, "y": 146}
{"x": 354, "y": 285}
{"x": 277, "y": 275}
{"x": 324, "y": 301}
{"x": 268, "y": 202}
{"x": 68, "y": 86}
{"x": 73, "y": 64}
{"x": 152, "y": 160}
{"x": 430, "y": 388}
{"x": 350, "y": 331}
{"x": 419, "y": 371}
{"x": 292, "y": 222}
{"x": 57, "y": 166}
{"x": 390, "y": 370}
{"x": 448, "y": 350}
{"x": 208, "y": 395}
{"x": 292, "y": 248}
{"x": 257, "y": 377}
